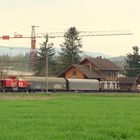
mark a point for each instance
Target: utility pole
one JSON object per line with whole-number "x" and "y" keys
{"x": 46, "y": 55}
{"x": 11, "y": 51}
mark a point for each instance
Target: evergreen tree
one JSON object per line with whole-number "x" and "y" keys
{"x": 41, "y": 58}
{"x": 70, "y": 48}
{"x": 132, "y": 67}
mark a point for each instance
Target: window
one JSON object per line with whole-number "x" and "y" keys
{"x": 74, "y": 74}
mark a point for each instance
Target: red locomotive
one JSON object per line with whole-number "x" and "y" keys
{"x": 13, "y": 84}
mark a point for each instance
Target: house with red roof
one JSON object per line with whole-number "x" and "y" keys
{"x": 93, "y": 68}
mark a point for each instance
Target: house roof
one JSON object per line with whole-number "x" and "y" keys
{"x": 128, "y": 80}
{"x": 102, "y": 64}
{"x": 85, "y": 70}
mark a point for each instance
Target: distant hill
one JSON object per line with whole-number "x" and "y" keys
{"x": 23, "y": 50}
{"x": 7, "y": 50}
{"x": 119, "y": 60}
{"x": 96, "y": 54}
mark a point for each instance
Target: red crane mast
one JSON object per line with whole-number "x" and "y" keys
{"x": 33, "y": 47}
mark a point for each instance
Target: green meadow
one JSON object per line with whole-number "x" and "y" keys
{"x": 69, "y": 116}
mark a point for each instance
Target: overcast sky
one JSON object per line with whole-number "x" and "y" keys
{"x": 87, "y": 15}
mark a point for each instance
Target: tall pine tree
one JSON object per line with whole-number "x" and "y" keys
{"x": 132, "y": 67}
{"x": 45, "y": 49}
{"x": 70, "y": 48}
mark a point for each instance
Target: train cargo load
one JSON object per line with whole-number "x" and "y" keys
{"x": 83, "y": 85}
{"x": 43, "y": 83}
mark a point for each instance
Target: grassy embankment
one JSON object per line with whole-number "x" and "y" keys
{"x": 69, "y": 117}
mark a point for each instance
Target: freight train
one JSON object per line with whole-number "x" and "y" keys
{"x": 51, "y": 84}
{"x": 33, "y": 84}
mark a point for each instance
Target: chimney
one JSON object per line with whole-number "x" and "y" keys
{"x": 90, "y": 67}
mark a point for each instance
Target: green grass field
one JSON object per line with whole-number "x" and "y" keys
{"x": 69, "y": 117}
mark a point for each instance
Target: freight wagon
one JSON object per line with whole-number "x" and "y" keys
{"x": 83, "y": 85}
{"x": 62, "y": 84}
{"x": 41, "y": 83}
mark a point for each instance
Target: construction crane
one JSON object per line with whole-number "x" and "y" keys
{"x": 34, "y": 36}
